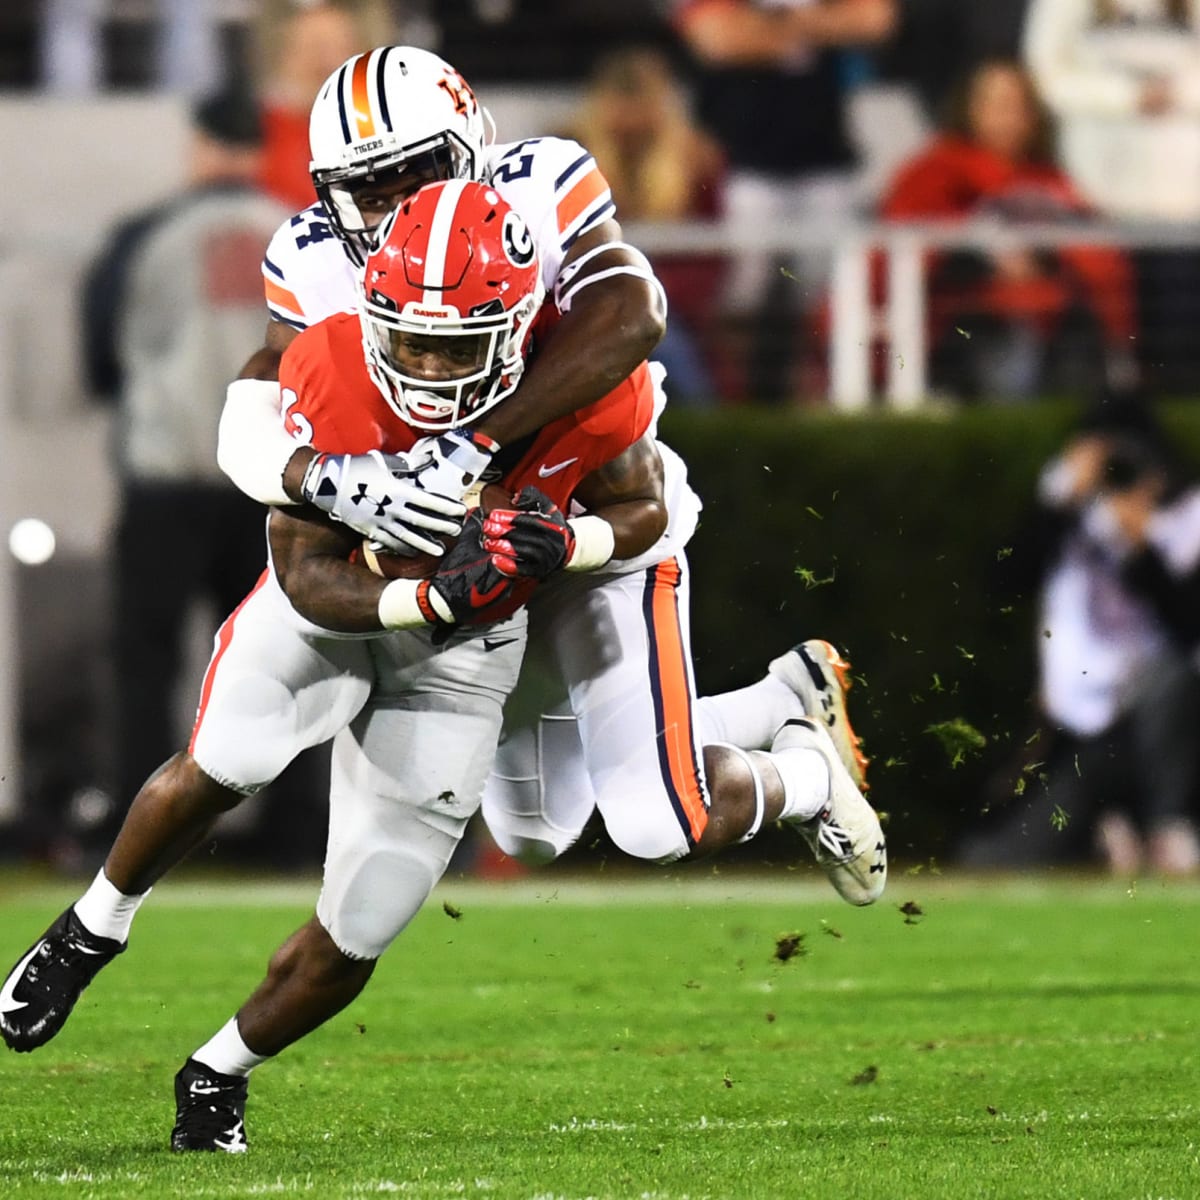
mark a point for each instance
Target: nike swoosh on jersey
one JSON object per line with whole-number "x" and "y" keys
{"x": 7, "y": 1002}
{"x": 544, "y": 472}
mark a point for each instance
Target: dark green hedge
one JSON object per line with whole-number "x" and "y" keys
{"x": 880, "y": 533}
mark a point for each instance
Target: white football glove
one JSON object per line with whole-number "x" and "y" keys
{"x": 377, "y": 495}
{"x": 449, "y": 464}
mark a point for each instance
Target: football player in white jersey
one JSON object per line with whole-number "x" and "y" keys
{"x": 643, "y": 611}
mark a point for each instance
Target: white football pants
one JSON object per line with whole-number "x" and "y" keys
{"x": 604, "y": 718}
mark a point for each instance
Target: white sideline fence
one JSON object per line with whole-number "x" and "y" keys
{"x": 855, "y": 323}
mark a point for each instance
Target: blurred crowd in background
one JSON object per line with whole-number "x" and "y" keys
{"x": 1017, "y": 112}
{"x": 999, "y": 132}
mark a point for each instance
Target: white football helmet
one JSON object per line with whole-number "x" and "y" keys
{"x": 455, "y": 275}
{"x": 393, "y": 111}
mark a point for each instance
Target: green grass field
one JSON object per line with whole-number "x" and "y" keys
{"x": 628, "y": 1037}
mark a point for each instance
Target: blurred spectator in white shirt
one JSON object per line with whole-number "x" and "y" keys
{"x": 1123, "y": 77}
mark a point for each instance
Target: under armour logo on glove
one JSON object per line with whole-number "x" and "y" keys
{"x": 375, "y": 495}
{"x": 381, "y": 503}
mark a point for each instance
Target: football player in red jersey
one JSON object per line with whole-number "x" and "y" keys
{"x": 428, "y": 360}
{"x": 449, "y": 311}
{"x": 384, "y": 124}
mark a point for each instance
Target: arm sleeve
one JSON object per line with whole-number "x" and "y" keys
{"x": 253, "y": 447}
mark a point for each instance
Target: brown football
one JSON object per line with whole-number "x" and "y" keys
{"x": 423, "y": 566}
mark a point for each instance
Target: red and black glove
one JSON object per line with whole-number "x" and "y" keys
{"x": 531, "y": 540}
{"x": 468, "y": 588}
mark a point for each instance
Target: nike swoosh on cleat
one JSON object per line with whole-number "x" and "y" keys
{"x": 237, "y": 1140}
{"x": 544, "y": 472}
{"x": 7, "y": 1002}
{"x": 200, "y": 1089}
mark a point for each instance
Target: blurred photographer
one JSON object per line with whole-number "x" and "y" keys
{"x": 1113, "y": 557}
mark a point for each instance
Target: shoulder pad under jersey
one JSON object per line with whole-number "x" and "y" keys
{"x": 556, "y": 188}
{"x": 306, "y": 274}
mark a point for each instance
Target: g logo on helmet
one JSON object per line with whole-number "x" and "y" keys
{"x": 517, "y": 240}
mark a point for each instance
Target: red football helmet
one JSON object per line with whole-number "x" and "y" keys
{"x": 448, "y": 303}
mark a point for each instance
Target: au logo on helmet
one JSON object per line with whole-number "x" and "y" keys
{"x": 457, "y": 88}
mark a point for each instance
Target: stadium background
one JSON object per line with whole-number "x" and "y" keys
{"x": 867, "y": 515}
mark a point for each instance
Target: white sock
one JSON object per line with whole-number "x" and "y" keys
{"x": 805, "y": 777}
{"x": 749, "y": 717}
{"x": 227, "y": 1053}
{"x": 106, "y": 912}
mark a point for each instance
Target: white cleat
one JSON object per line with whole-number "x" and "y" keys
{"x": 820, "y": 676}
{"x": 845, "y": 836}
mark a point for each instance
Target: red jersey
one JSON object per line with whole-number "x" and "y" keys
{"x": 331, "y": 402}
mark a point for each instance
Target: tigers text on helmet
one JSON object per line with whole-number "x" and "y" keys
{"x": 395, "y": 111}
{"x": 447, "y": 304}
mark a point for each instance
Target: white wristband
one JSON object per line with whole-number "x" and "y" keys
{"x": 253, "y": 448}
{"x": 398, "y": 607}
{"x": 594, "y": 543}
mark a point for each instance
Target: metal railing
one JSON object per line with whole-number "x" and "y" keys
{"x": 858, "y": 323}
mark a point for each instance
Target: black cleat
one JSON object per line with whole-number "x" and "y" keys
{"x": 37, "y": 997}
{"x": 210, "y": 1110}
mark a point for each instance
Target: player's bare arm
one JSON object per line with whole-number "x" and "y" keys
{"x": 627, "y": 493}
{"x": 626, "y": 514}
{"x": 312, "y": 560}
{"x": 609, "y": 326}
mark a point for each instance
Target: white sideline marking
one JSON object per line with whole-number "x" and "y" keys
{"x": 597, "y": 889}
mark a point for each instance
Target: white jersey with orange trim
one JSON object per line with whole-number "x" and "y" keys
{"x": 553, "y": 184}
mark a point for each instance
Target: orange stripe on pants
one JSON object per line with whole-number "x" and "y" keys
{"x": 671, "y": 682}
{"x": 224, "y": 637}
